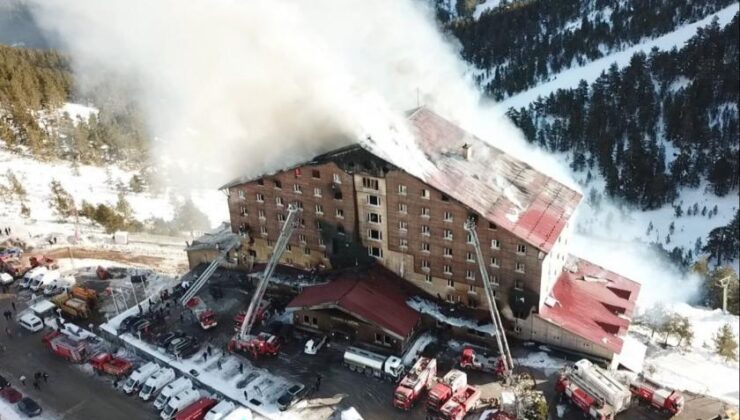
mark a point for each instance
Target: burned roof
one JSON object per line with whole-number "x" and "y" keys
{"x": 592, "y": 302}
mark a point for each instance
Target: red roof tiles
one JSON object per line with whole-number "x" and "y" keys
{"x": 593, "y": 303}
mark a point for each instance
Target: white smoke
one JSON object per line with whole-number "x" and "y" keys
{"x": 234, "y": 88}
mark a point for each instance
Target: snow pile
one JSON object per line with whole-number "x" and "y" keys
{"x": 433, "y": 310}
{"x": 351, "y": 414}
{"x": 415, "y": 350}
{"x": 541, "y": 360}
{"x": 696, "y": 369}
{"x": 8, "y": 412}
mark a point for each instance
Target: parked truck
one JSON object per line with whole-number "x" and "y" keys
{"x": 206, "y": 317}
{"x": 156, "y": 383}
{"x": 88, "y": 295}
{"x": 389, "y": 368}
{"x": 111, "y": 365}
{"x": 449, "y": 385}
{"x": 594, "y": 390}
{"x": 668, "y": 401}
{"x": 72, "y": 306}
{"x": 469, "y": 359}
{"x": 66, "y": 347}
{"x": 457, "y": 407}
{"x": 417, "y": 381}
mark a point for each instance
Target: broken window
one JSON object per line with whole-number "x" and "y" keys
{"x": 519, "y": 284}
{"x": 492, "y": 226}
{"x": 373, "y": 200}
{"x": 374, "y": 234}
{"x": 315, "y": 174}
{"x": 337, "y": 195}
{"x": 340, "y": 229}
{"x": 370, "y": 183}
{"x": 444, "y": 197}
{"x": 260, "y": 182}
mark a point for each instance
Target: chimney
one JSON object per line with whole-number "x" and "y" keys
{"x": 467, "y": 151}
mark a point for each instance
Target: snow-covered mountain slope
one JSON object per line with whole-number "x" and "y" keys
{"x": 592, "y": 70}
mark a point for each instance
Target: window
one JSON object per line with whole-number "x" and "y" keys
{"x": 279, "y": 201}
{"x": 302, "y": 222}
{"x": 315, "y": 174}
{"x": 450, "y": 282}
{"x": 425, "y": 265}
{"x": 403, "y": 208}
{"x": 337, "y": 179}
{"x": 470, "y": 238}
{"x": 470, "y": 257}
{"x": 447, "y": 269}
{"x": 521, "y": 249}
{"x": 261, "y": 214}
{"x": 340, "y": 229}
{"x": 288, "y": 248}
{"x": 428, "y": 278}
{"x": 374, "y": 218}
{"x": 471, "y": 287}
{"x": 317, "y": 192}
{"x": 370, "y": 183}
{"x": 403, "y": 225}
{"x": 425, "y": 247}
{"x": 404, "y": 243}
{"x": 425, "y": 212}
{"x": 447, "y": 216}
{"x": 260, "y": 182}
{"x": 280, "y": 217}
{"x": 278, "y": 185}
{"x": 425, "y": 194}
{"x": 448, "y": 234}
{"x": 373, "y": 200}
{"x": 307, "y": 251}
{"x": 241, "y": 194}
{"x": 492, "y": 226}
{"x": 444, "y": 197}
{"x": 448, "y": 252}
{"x": 425, "y": 230}
{"x": 495, "y": 244}
{"x": 318, "y": 225}
{"x": 519, "y": 284}
{"x": 298, "y": 205}
{"x": 297, "y": 189}
{"x": 305, "y": 319}
{"x": 243, "y": 211}
{"x": 321, "y": 242}
{"x": 289, "y": 260}
{"x": 401, "y": 189}
{"x": 339, "y": 213}
{"x": 375, "y": 251}
{"x": 337, "y": 195}
{"x": 263, "y": 230}
{"x": 520, "y": 267}
{"x": 494, "y": 262}
{"x": 494, "y": 280}
{"x": 260, "y": 198}
{"x": 302, "y": 238}
{"x": 319, "y": 209}
{"x": 374, "y": 234}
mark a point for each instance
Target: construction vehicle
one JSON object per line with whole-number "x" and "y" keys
{"x": 90, "y": 296}
{"x": 666, "y": 400}
{"x": 66, "y": 347}
{"x": 16, "y": 267}
{"x": 457, "y": 407}
{"x": 206, "y": 317}
{"x": 469, "y": 359}
{"x": 596, "y": 392}
{"x": 444, "y": 389}
{"x": 72, "y": 306}
{"x": 264, "y": 343}
{"x": 42, "y": 261}
{"x": 389, "y": 368}
{"x": 111, "y": 365}
{"x": 418, "y": 380}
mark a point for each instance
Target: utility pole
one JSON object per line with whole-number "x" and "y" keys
{"x": 724, "y": 282}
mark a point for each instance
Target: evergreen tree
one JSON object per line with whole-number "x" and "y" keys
{"x": 725, "y": 343}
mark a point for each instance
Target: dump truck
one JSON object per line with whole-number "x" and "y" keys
{"x": 111, "y": 365}
{"x": 594, "y": 390}
{"x": 90, "y": 296}
{"x": 457, "y": 407}
{"x": 206, "y": 317}
{"x": 420, "y": 378}
{"x": 72, "y": 306}
{"x": 668, "y": 401}
{"x": 449, "y": 385}
{"x": 66, "y": 347}
{"x": 16, "y": 267}
{"x": 389, "y": 368}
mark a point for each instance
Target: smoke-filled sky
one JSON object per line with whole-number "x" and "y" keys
{"x": 234, "y": 88}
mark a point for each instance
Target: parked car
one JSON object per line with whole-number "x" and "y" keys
{"x": 187, "y": 350}
{"x": 10, "y": 394}
{"x": 29, "y": 407}
{"x": 6, "y": 278}
{"x": 315, "y": 344}
{"x": 163, "y": 340}
{"x": 127, "y": 322}
{"x": 291, "y": 396}
{"x": 31, "y": 322}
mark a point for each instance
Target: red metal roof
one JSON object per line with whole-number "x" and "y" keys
{"x": 592, "y": 302}
{"x": 371, "y": 296}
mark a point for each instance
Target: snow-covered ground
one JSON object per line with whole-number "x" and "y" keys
{"x": 78, "y": 111}
{"x": 696, "y": 368}
{"x": 589, "y": 72}
{"x": 486, "y": 5}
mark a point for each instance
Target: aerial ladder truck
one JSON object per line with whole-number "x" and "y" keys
{"x": 264, "y": 343}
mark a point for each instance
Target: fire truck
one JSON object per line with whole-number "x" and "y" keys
{"x": 457, "y": 407}
{"x": 470, "y": 360}
{"x": 259, "y": 316}
{"x": 451, "y": 383}
{"x": 206, "y": 317}
{"x": 111, "y": 365}
{"x": 419, "y": 379}
{"x": 666, "y": 400}
{"x": 594, "y": 390}
{"x": 66, "y": 347}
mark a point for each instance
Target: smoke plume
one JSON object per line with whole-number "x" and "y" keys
{"x": 235, "y": 88}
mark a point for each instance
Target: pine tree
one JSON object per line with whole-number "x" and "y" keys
{"x": 61, "y": 200}
{"x": 725, "y": 343}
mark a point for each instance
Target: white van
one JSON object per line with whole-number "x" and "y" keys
{"x": 40, "y": 281}
{"x": 220, "y": 410}
{"x": 140, "y": 375}
{"x": 60, "y": 285}
{"x": 30, "y": 275}
{"x": 169, "y": 391}
{"x": 179, "y": 402}
{"x": 43, "y": 309}
{"x": 31, "y": 322}
{"x": 155, "y": 383}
